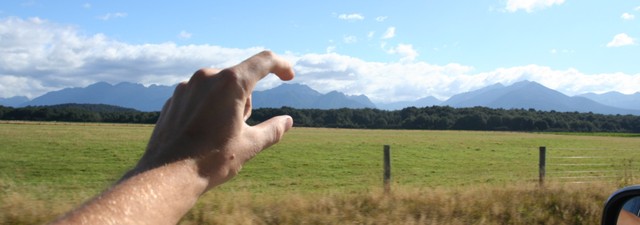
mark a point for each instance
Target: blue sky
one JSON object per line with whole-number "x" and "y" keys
{"x": 388, "y": 50}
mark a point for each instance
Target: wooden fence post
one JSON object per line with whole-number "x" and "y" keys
{"x": 543, "y": 163}
{"x": 387, "y": 169}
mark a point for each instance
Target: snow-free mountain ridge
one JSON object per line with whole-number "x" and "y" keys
{"x": 524, "y": 94}
{"x": 527, "y": 94}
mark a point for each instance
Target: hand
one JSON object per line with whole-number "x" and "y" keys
{"x": 205, "y": 119}
{"x": 200, "y": 140}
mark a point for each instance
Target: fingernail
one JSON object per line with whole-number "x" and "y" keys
{"x": 289, "y": 123}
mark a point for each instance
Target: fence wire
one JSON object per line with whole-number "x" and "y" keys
{"x": 575, "y": 165}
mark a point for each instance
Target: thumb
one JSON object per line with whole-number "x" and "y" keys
{"x": 271, "y": 131}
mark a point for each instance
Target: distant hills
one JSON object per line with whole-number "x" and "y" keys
{"x": 303, "y": 97}
{"x": 527, "y": 94}
{"x": 152, "y": 98}
{"x": 422, "y": 102}
{"x": 128, "y": 95}
{"x": 616, "y": 99}
{"x": 524, "y": 94}
{"x": 14, "y": 101}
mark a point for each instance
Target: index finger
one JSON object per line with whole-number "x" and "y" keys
{"x": 260, "y": 65}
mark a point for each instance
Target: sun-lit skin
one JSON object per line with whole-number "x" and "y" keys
{"x": 200, "y": 141}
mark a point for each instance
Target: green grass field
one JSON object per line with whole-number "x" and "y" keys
{"x": 71, "y": 162}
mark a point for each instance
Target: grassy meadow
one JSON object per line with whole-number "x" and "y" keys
{"x": 334, "y": 176}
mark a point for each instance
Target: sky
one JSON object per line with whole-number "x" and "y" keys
{"x": 388, "y": 50}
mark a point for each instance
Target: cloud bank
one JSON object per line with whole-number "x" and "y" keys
{"x": 37, "y": 56}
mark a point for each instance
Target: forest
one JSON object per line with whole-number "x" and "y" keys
{"x": 430, "y": 118}
{"x": 98, "y": 113}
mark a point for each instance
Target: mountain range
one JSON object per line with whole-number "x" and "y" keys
{"x": 616, "y": 99}
{"x": 124, "y": 94}
{"x": 524, "y": 94}
{"x": 303, "y": 97}
{"x": 527, "y": 94}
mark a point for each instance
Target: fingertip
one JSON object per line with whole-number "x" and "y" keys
{"x": 288, "y": 123}
{"x": 285, "y": 72}
{"x": 271, "y": 131}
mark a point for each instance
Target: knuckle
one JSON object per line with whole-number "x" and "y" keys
{"x": 231, "y": 78}
{"x": 278, "y": 131}
{"x": 181, "y": 87}
{"x": 199, "y": 75}
{"x": 267, "y": 53}
{"x": 229, "y": 74}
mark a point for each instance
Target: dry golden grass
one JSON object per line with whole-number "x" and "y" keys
{"x": 324, "y": 176}
{"x": 528, "y": 204}
{"x": 486, "y": 204}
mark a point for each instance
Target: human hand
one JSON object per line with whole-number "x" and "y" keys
{"x": 200, "y": 140}
{"x": 205, "y": 118}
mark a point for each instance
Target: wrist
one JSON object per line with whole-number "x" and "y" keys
{"x": 182, "y": 174}
{"x": 176, "y": 185}
{"x": 178, "y": 179}
{"x": 161, "y": 195}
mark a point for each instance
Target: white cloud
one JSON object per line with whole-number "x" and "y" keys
{"x": 86, "y": 5}
{"x": 406, "y": 52}
{"x": 381, "y": 18}
{"x": 627, "y": 16}
{"x": 331, "y": 49}
{"x": 37, "y": 56}
{"x": 350, "y": 39}
{"x": 110, "y": 16}
{"x": 399, "y": 81}
{"x": 17, "y": 85}
{"x": 530, "y": 5}
{"x": 563, "y": 51}
{"x": 390, "y": 33}
{"x": 382, "y": 82}
{"x": 637, "y": 8}
{"x": 184, "y": 35}
{"x": 52, "y": 57}
{"x": 371, "y": 34}
{"x": 351, "y": 17}
{"x": 620, "y": 40}
{"x": 570, "y": 81}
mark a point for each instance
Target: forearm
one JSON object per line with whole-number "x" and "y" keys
{"x": 204, "y": 119}
{"x": 158, "y": 196}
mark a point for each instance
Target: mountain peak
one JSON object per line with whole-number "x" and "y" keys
{"x": 525, "y": 82}
{"x": 129, "y": 85}
{"x": 14, "y": 101}
{"x": 129, "y": 95}
{"x": 294, "y": 87}
{"x": 522, "y": 94}
{"x": 100, "y": 84}
{"x": 336, "y": 93}
{"x": 302, "y": 96}
{"x": 529, "y": 94}
{"x": 616, "y": 99}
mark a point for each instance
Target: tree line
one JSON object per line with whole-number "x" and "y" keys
{"x": 449, "y": 118}
{"x": 98, "y": 113}
{"x": 431, "y": 118}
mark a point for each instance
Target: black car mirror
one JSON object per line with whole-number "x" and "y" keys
{"x": 623, "y": 207}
